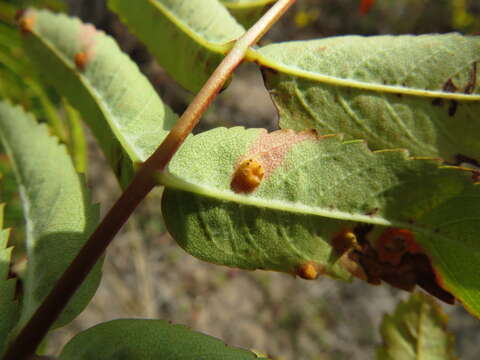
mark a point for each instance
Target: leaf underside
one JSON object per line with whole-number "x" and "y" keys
{"x": 314, "y": 189}
{"x": 149, "y": 340}
{"x": 188, "y": 38}
{"x": 420, "y": 93}
{"x": 417, "y": 330}
{"x": 118, "y": 103}
{"x": 57, "y": 208}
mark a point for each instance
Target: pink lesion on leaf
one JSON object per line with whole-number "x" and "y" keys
{"x": 270, "y": 149}
{"x": 87, "y": 36}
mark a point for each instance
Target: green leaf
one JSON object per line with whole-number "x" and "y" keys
{"x": 121, "y": 107}
{"x": 247, "y": 12}
{"x": 78, "y": 142}
{"x": 313, "y": 189}
{"x": 188, "y": 38}
{"x": 149, "y": 340}
{"x": 421, "y": 93}
{"x": 20, "y": 83}
{"x": 417, "y": 330}
{"x": 8, "y": 306}
{"x": 58, "y": 214}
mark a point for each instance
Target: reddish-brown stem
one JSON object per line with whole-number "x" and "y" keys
{"x": 25, "y": 344}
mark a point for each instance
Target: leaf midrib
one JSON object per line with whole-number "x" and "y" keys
{"x": 255, "y": 56}
{"x": 214, "y": 47}
{"x": 247, "y": 4}
{"x": 170, "y": 180}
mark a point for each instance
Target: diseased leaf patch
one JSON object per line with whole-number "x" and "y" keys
{"x": 327, "y": 207}
{"x": 397, "y": 259}
{"x": 124, "y": 112}
{"x": 393, "y": 91}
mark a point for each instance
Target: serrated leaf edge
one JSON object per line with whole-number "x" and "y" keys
{"x": 172, "y": 181}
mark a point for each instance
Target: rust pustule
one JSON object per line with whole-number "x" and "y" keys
{"x": 81, "y": 60}
{"x": 26, "y": 24}
{"x": 247, "y": 177}
{"x": 400, "y": 261}
{"x": 394, "y": 243}
{"x": 308, "y": 271}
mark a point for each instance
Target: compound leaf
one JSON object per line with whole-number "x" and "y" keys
{"x": 121, "y": 107}
{"x": 417, "y": 330}
{"x": 56, "y": 204}
{"x": 149, "y": 340}
{"x": 188, "y": 38}
{"x": 247, "y": 12}
{"x": 280, "y": 201}
{"x": 421, "y": 93}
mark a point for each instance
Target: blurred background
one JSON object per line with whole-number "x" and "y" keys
{"x": 147, "y": 275}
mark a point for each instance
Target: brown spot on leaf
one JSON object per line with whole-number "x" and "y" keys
{"x": 429, "y": 279}
{"x": 81, "y": 60}
{"x": 476, "y": 176}
{"x": 372, "y": 212}
{"x": 449, "y": 86}
{"x": 361, "y": 231}
{"x": 394, "y": 243}
{"x": 470, "y": 88}
{"x": 400, "y": 261}
{"x": 437, "y": 102}
{"x": 308, "y": 271}
{"x": 247, "y": 177}
{"x": 452, "y": 109}
{"x": 460, "y": 158}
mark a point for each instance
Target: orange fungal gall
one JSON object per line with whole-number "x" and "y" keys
{"x": 248, "y": 176}
{"x": 308, "y": 271}
{"x": 81, "y": 60}
{"x": 26, "y": 24}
